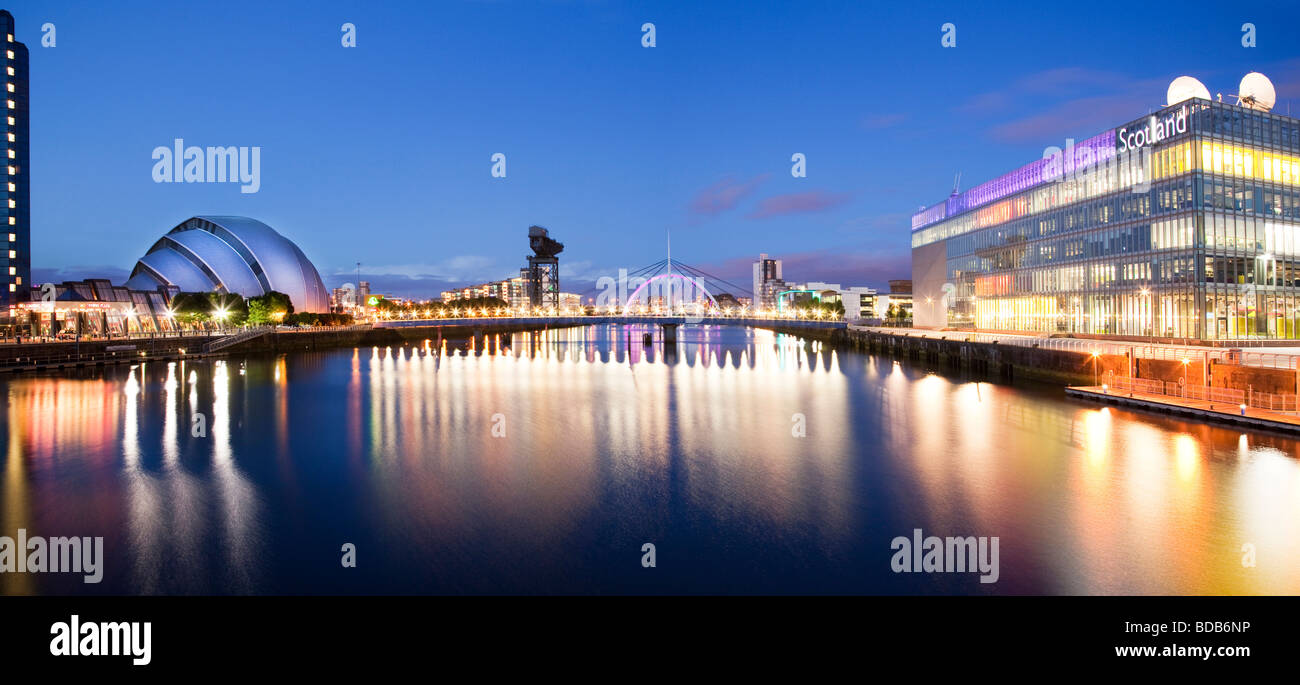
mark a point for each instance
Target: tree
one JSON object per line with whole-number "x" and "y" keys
{"x": 271, "y": 307}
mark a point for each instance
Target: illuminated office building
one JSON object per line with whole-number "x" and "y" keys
{"x": 16, "y": 259}
{"x": 1181, "y": 224}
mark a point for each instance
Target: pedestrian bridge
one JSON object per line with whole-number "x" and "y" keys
{"x": 479, "y": 325}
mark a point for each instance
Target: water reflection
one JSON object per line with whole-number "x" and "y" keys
{"x": 541, "y": 463}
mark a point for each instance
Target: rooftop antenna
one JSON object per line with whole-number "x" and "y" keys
{"x": 1256, "y": 92}
{"x": 1185, "y": 88}
{"x": 956, "y": 183}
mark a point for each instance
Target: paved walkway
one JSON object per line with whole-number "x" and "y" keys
{"x": 1213, "y": 411}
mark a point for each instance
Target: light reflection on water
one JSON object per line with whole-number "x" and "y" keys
{"x": 542, "y": 463}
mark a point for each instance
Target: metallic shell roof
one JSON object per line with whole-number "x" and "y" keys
{"x": 231, "y": 253}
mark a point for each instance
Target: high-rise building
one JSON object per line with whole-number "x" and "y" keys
{"x": 1184, "y": 223}
{"x": 16, "y": 260}
{"x": 767, "y": 281}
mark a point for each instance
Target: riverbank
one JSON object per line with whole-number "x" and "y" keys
{"x": 1210, "y": 389}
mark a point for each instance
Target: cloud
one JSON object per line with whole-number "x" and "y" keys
{"x": 798, "y": 203}
{"x": 724, "y": 195}
{"x": 58, "y": 274}
{"x": 880, "y": 121}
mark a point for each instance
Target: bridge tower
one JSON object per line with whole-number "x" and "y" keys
{"x": 543, "y": 269}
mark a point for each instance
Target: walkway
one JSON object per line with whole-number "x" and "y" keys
{"x": 1203, "y": 409}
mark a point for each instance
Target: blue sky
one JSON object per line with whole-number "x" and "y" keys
{"x": 381, "y": 153}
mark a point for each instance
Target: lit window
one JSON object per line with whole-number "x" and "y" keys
{"x": 12, "y": 171}
{"x": 19, "y": 280}
{"x": 11, "y": 38}
{"x": 13, "y": 254}
{"x": 10, "y": 87}
{"x": 12, "y": 188}
{"x": 11, "y": 121}
{"x": 13, "y": 288}
{"x": 10, "y": 70}
{"x": 10, "y": 103}
{"x": 11, "y": 154}
{"x": 10, "y": 53}
{"x": 12, "y": 204}
{"x": 13, "y": 270}
{"x": 13, "y": 238}
{"x": 13, "y": 220}
{"x": 12, "y": 138}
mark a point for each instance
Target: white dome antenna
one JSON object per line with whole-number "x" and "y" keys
{"x": 1185, "y": 88}
{"x": 1256, "y": 92}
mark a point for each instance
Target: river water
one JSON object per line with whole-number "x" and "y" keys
{"x": 753, "y": 463}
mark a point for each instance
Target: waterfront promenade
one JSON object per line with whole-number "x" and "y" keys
{"x": 1209, "y": 410}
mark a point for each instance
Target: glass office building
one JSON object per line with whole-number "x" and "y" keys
{"x": 1181, "y": 224}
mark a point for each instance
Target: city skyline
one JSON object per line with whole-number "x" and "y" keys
{"x": 608, "y": 143}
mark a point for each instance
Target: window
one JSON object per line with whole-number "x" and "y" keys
{"x": 12, "y": 204}
{"x": 13, "y": 270}
{"x": 12, "y": 171}
{"x": 11, "y": 121}
{"x": 12, "y": 154}
{"x": 13, "y": 138}
{"x": 9, "y": 87}
{"x": 13, "y": 288}
{"x": 10, "y": 103}
{"x": 13, "y": 220}
{"x": 10, "y": 70}
{"x": 12, "y": 188}
{"x": 9, "y": 54}
{"x": 13, "y": 254}
{"x": 13, "y": 238}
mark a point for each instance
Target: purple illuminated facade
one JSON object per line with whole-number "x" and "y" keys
{"x": 1099, "y": 148}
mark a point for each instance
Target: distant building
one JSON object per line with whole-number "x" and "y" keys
{"x": 859, "y": 303}
{"x": 726, "y": 300}
{"x": 94, "y": 307}
{"x": 768, "y": 282}
{"x": 514, "y": 291}
{"x": 570, "y": 300}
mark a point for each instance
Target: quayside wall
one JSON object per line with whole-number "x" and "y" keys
{"x": 1066, "y": 367}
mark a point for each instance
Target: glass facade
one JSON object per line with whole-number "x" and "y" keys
{"x": 1195, "y": 235}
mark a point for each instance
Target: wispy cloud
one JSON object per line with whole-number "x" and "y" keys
{"x": 58, "y": 274}
{"x": 880, "y": 121}
{"x": 798, "y": 203}
{"x": 724, "y": 195}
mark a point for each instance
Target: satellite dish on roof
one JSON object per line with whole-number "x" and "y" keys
{"x": 1256, "y": 92}
{"x": 1185, "y": 88}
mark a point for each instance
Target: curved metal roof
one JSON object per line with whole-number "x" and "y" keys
{"x": 232, "y": 254}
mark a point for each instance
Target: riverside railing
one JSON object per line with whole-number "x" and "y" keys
{"x": 1229, "y": 396}
{"x": 1178, "y": 353}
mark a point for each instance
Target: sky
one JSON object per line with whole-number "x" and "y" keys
{"x": 382, "y": 153}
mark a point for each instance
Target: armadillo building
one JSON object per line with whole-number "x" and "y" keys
{"x": 1184, "y": 223}
{"x": 232, "y": 254}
